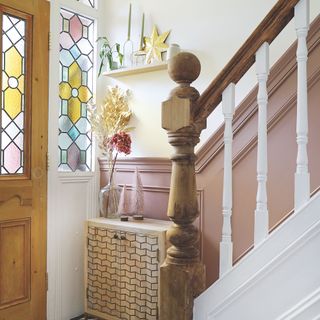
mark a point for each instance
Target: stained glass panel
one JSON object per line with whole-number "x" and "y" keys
{"x": 90, "y": 3}
{"x": 13, "y": 95}
{"x": 76, "y": 78}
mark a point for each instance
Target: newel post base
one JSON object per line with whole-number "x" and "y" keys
{"x": 182, "y": 276}
{"x": 179, "y": 286}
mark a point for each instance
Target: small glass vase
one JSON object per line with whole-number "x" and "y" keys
{"x": 109, "y": 197}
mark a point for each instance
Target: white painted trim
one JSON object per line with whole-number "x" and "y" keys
{"x": 75, "y": 177}
{"x": 311, "y": 304}
{"x": 279, "y": 245}
{"x": 53, "y": 250}
{"x": 266, "y": 270}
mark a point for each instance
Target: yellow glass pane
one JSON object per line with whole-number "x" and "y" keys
{"x": 84, "y": 94}
{"x": 13, "y": 63}
{"x": 65, "y": 91}
{"x": 4, "y": 81}
{"x": 12, "y": 102}
{"x": 21, "y": 84}
{"x": 74, "y": 110}
{"x": 75, "y": 75}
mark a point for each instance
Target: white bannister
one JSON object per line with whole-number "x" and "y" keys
{"x": 226, "y": 247}
{"x": 261, "y": 223}
{"x": 302, "y": 177}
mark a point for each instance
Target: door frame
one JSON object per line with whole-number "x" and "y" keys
{"x": 89, "y": 181}
{"x": 31, "y": 187}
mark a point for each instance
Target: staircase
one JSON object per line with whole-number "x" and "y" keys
{"x": 279, "y": 278}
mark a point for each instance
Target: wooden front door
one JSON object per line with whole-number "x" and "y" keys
{"x": 23, "y": 149}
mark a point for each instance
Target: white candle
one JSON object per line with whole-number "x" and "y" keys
{"x": 129, "y": 23}
{"x": 142, "y": 32}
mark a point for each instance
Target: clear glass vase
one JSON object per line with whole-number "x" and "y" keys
{"x": 109, "y": 197}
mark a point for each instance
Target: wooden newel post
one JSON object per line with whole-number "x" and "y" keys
{"x": 182, "y": 276}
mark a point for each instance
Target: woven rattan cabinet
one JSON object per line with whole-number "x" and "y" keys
{"x": 122, "y": 261}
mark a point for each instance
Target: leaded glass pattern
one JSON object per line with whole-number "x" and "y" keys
{"x": 76, "y": 85}
{"x": 13, "y": 95}
{"x": 90, "y": 3}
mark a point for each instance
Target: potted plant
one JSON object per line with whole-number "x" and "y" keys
{"x": 106, "y": 54}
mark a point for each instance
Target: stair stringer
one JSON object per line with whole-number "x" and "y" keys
{"x": 273, "y": 278}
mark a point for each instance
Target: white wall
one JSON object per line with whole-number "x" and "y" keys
{"x": 211, "y": 29}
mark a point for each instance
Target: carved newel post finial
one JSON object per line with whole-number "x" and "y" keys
{"x": 182, "y": 275}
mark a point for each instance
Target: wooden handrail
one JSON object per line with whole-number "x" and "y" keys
{"x": 267, "y": 31}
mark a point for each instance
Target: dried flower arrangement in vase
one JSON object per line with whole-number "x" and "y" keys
{"x": 109, "y": 123}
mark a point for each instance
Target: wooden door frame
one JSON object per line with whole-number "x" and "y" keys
{"x": 35, "y": 179}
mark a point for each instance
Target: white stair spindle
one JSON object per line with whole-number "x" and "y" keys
{"x": 302, "y": 177}
{"x": 261, "y": 223}
{"x": 226, "y": 247}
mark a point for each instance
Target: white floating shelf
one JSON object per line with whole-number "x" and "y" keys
{"x": 136, "y": 70}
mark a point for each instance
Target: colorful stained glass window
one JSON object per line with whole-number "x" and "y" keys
{"x": 76, "y": 85}
{"x": 12, "y": 95}
{"x": 91, "y": 3}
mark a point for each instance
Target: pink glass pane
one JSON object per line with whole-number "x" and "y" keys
{"x": 12, "y": 158}
{"x": 75, "y": 28}
{"x": 65, "y": 40}
{"x": 73, "y": 157}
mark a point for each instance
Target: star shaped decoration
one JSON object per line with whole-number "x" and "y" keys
{"x": 155, "y": 46}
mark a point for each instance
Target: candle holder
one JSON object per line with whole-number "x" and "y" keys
{"x": 128, "y": 54}
{"x": 128, "y": 45}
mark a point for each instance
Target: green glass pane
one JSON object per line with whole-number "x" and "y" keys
{"x": 65, "y": 25}
{"x": 64, "y": 107}
{"x": 85, "y": 32}
{"x": 73, "y": 133}
{"x": 63, "y": 156}
{"x": 83, "y": 157}
{"x": 83, "y": 110}
{"x": 64, "y": 74}
{"x": 84, "y": 81}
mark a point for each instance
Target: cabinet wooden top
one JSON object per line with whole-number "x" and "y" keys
{"x": 144, "y": 225}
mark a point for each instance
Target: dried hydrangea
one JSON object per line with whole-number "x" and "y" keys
{"x": 121, "y": 142}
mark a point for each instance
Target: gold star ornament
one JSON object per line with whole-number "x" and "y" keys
{"x": 155, "y": 45}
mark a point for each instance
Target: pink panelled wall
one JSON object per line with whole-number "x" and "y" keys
{"x": 155, "y": 173}
{"x": 155, "y": 176}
